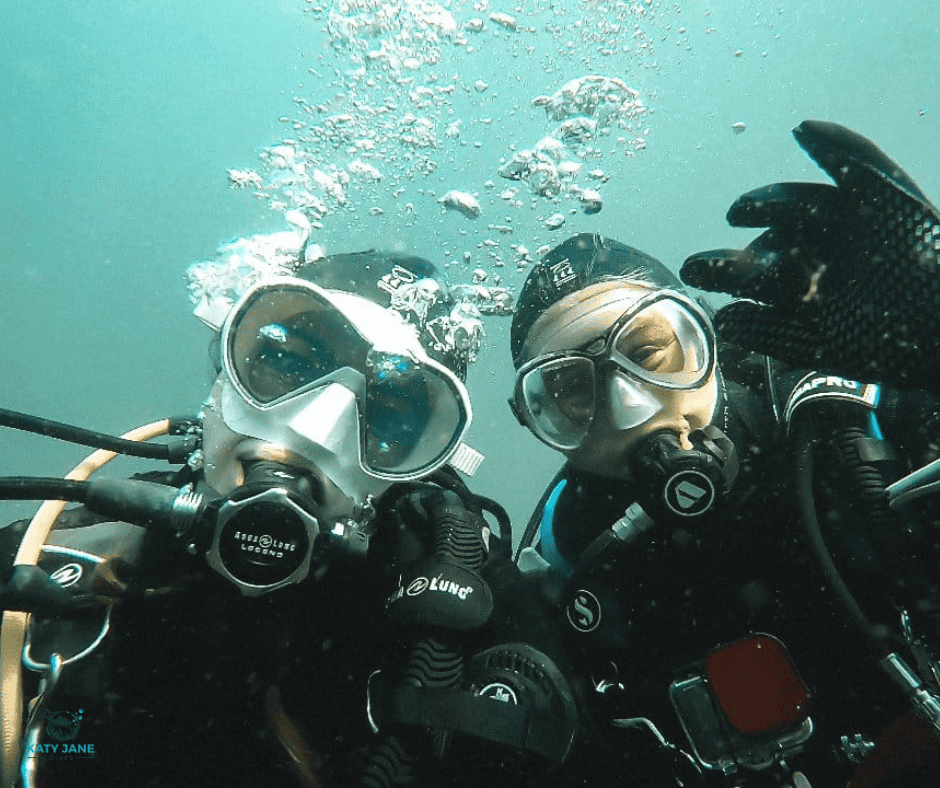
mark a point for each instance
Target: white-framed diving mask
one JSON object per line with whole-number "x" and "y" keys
{"x": 335, "y": 379}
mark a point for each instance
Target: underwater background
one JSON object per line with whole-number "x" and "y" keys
{"x": 138, "y": 139}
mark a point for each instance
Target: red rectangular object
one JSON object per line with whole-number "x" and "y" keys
{"x": 757, "y": 686}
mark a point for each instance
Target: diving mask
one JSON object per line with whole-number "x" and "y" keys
{"x": 340, "y": 381}
{"x": 662, "y": 343}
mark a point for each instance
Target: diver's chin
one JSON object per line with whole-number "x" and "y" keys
{"x": 613, "y": 465}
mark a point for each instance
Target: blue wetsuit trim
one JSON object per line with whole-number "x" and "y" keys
{"x": 547, "y": 546}
{"x": 875, "y": 426}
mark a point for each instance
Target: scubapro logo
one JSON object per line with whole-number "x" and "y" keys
{"x": 584, "y": 611}
{"x": 67, "y": 575}
{"x": 825, "y": 381}
{"x": 689, "y": 493}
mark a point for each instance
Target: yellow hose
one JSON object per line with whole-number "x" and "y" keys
{"x": 13, "y": 628}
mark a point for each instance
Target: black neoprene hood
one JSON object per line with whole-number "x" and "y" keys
{"x": 582, "y": 260}
{"x": 375, "y": 275}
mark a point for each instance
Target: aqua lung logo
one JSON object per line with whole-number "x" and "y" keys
{"x": 584, "y": 611}
{"x": 689, "y": 493}
{"x": 265, "y": 544}
{"x": 67, "y": 575}
{"x": 437, "y": 584}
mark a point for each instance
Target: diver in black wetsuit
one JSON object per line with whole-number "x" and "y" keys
{"x": 334, "y": 610}
{"x": 710, "y": 492}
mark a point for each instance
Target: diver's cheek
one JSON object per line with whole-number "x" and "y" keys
{"x": 607, "y": 450}
{"x": 605, "y": 458}
{"x": 700, "y": 406}
{"x": 682, "y": 412}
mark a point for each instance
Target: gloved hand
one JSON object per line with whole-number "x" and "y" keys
{"x": 846, "y": 278}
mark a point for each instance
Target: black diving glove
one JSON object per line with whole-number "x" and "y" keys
{"x": 846, "y": 278}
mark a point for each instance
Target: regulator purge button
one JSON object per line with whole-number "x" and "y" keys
{"x": 263, "y": 542}
{"x": 689, "y": 493}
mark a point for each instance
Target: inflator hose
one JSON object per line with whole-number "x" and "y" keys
{"x": 806, "y": 440}
{"x": 433, "y": 660}
{"x": 13, "y": 627}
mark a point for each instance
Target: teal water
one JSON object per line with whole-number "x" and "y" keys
{"x": 119, "y": 123}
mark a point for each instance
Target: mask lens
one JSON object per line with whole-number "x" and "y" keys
{"x": 665, "y": 344}
{"x": 559, "y": 397}
{"x": 286, "y": 339}
{"x": 413, "y": 414}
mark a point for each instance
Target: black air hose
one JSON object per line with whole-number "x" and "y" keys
{"x": 129, "y": 500}
{"x": 176, "y": 451}
{"x": 894, "y": 538}
{"x": 860, "y": 462}
{"x": 868, "y": 490}
{"x": 42, "y": 488}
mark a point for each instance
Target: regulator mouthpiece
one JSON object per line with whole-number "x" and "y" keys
{"x": 685, "y": 483}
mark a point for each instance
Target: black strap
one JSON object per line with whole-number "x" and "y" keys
{"x": 449, "y": 479}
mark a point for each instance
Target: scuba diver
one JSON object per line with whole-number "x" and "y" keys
{"x": 737, "y": 550}
{"x": 315, "y": 597}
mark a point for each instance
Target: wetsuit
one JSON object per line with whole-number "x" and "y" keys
{"x": 198, "y": 685}
{"x": 638, "y": 617}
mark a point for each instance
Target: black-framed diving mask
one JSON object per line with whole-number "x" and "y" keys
{"x": 663, "y": 342}
{"x": 314, "y": 367}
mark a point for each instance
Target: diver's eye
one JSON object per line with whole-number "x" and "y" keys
{"x": 646, "y": 356}
{"x": 665, "y": 357}
{"x": 649, "y": 357}
{"x": 298, "y": 368}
